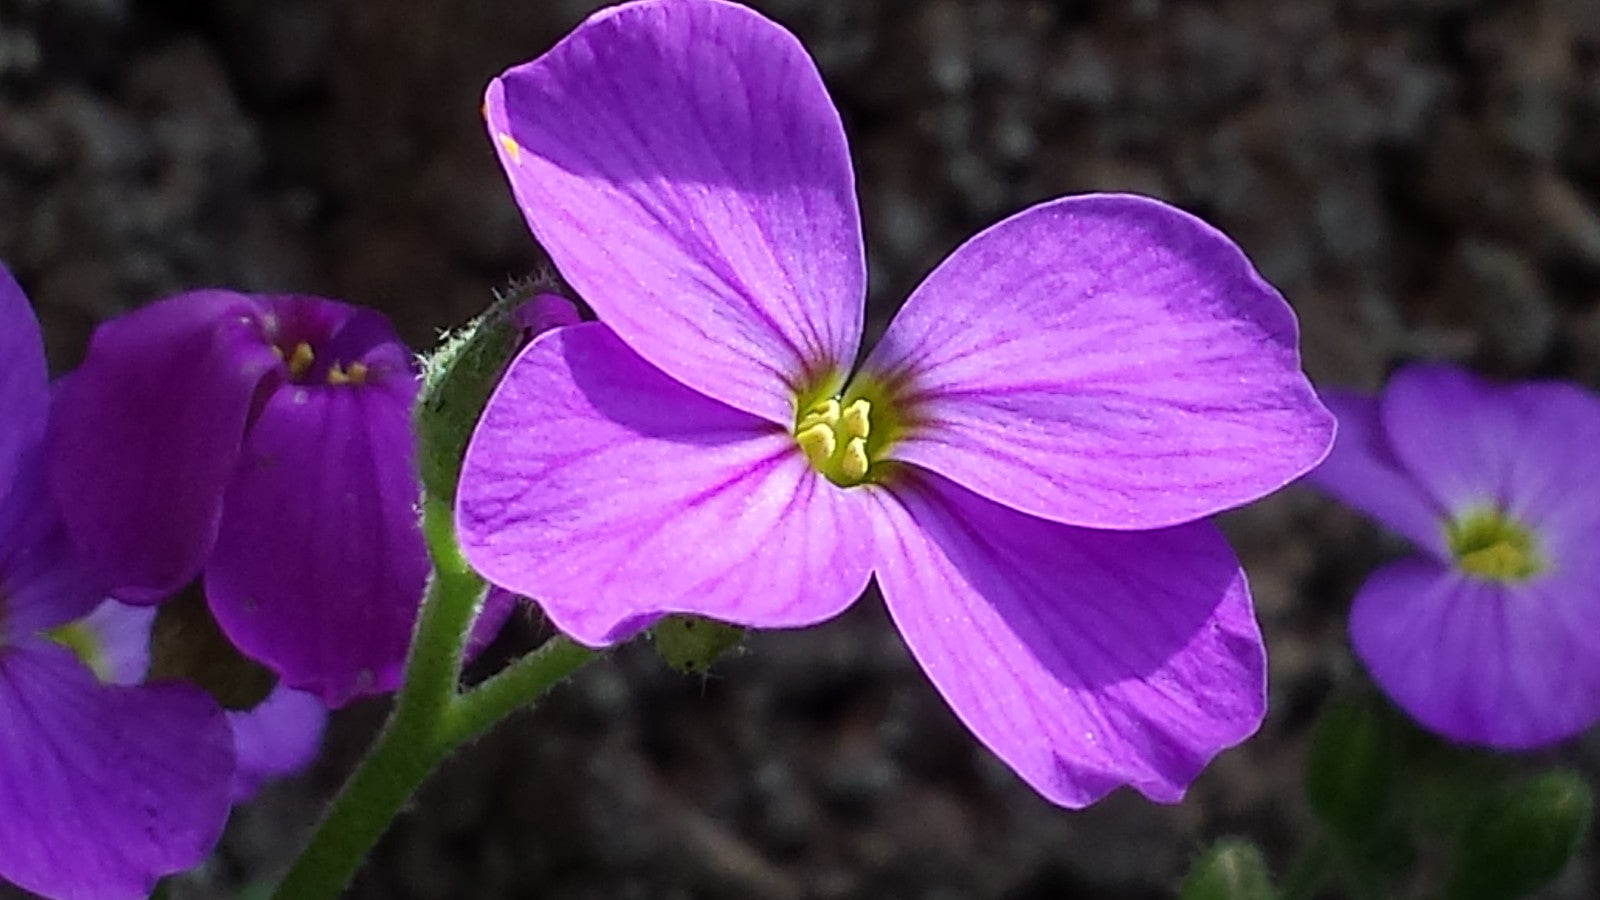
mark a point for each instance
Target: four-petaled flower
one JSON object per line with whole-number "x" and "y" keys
{"x": 264, "y": 443}
{"x": 1021, "y": 460}
{"x": 1492, "y": 636}
{"x": 104, "y": 786}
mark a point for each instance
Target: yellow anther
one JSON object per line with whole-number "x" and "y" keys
{"x": 1491, "y": 545}
{"x": 817, "y": 442}
{"x": 356, "y": 374}
{"x": 513, "y": 149}
{"x": 824, "y": 413}
{"x": 300, "y": 359}
{"x": 834, "y": 438}
{"x": 853, "y": 463}
{"x": 1500, "y": 562}
{"x": 856, "y": 421}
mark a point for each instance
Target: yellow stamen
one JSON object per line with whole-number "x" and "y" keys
{"x": 834, "y": 439}
{"x": 1499, "y": 562}
{"x": 1491, "y": 545}
{"x": 818, "y": 442}
{"x": 824, "y": 413}
{"x": 853, "y": 464}
{"x": 300, "y": 359}
{"x": 856, "y": 421}
{"x": 355, "y": 374}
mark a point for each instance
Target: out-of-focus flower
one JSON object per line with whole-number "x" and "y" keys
{"x": 103, "y": 788}
{"x": 264, "y": 444}
{"x": 1492, "y": 635}
{"x": 276, "y": 738}
{"x": 1021, "y": 460}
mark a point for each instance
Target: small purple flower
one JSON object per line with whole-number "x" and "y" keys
{"x": 274, "y": 739}
{"x": 263, "y": 443}
{"x": 1020, "y": 461}
{"x": 1492, "y": 636}
{"x": 103, "y": 788}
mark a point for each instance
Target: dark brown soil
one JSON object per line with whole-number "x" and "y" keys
{"x": 1421, "y": 178}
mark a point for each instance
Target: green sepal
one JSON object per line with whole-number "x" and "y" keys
{"x": 187, "y": 644}
{"x": 458, "y": 377}
{"x": 1233, "y": 869}
{"x": 1521, "y": 836}
{"x": 691, "y": 644}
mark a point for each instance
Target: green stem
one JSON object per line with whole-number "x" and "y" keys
{"x": 512, "y": 688}
{"x": 405, "y": 752}
{"x": 416, "y": 738}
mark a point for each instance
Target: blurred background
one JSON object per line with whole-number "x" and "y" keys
{"x": 1421, "y": 178}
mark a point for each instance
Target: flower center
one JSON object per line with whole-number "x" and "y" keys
{"x": 301, "y": 359}
{"x": 84, "y": 644}
{"x": 1489, "y": 545}
{"x": 833, "y": 437}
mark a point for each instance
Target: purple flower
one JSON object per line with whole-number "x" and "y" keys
{"x": 274, "y": 739}
{"x": 1020, "y": 461}
{"x": 263, "y": 443}
{"x": 1492, "y": 636}
{"x": 103, "y": 788}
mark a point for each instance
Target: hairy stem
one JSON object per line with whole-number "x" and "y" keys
{"x": 430, "y": 719}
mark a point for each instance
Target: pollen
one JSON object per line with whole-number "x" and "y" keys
{"x": 513, "y": 149}
{"x": 1490, "y": 545}
{"x": 833, "y": 436}
{"x": 299, "y": 359}
{"x": 355, "y": 373}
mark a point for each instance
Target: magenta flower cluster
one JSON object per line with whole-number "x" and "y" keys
{"x": 1023, "y": 462}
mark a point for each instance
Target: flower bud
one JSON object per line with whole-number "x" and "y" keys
{"x": 460, "y": 375}
{"x": 1233, "y": 869}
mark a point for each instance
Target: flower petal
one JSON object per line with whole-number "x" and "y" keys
{"x": 1510, "y": 666}
{"x": 114, "y": 641}
{"x": 319, "y": 565}
{"x": 498, "y": 605}
{"x": 145, "y": 434}
{"x": 23, "y": 392}
{"x": 116, "y": 786}
{"x": 1454, "y": 433}
{"x": 43, "y": 580}
{"x": 1084, "y": 659}
{"x": 1363, "y": 472}
{"x": 1105, "y": 361}
{"x": 685, "y": 169}
{"x": 542, "y": 312}
{"x": 610, "y": 494}
{"x": 276, "y": 739}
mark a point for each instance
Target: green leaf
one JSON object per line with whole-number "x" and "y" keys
{"x": 1233, "y": 869}
{"x": 1350, "y": 768}
{"x": 1521, "y": 837}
